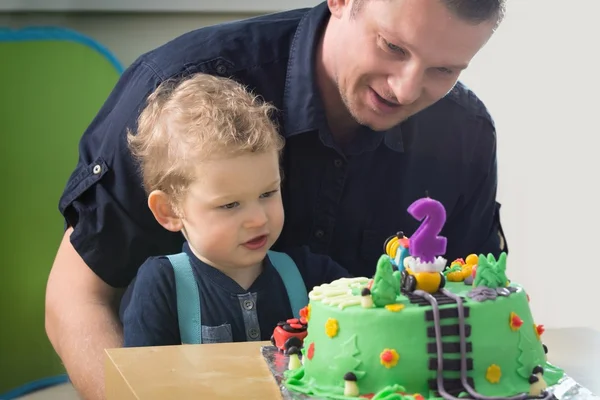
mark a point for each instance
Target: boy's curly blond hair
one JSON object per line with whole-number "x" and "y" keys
{"x": 199, "y": 118}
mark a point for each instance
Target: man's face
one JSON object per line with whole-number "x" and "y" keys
{"x": 395, "y": 58}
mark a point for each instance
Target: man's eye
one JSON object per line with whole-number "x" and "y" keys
{"x": 393, "y": 47}
{"x": 445, "y": 71}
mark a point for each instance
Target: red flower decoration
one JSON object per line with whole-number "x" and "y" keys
{"x": 311, "y": 351}
{"x": 515, "y": 322}
{"x": 539, "y": 330}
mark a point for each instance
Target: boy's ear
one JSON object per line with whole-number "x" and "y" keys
{"x": 159, "y": 204}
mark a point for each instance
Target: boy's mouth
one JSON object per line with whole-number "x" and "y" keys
{"x": 257, "y": 242}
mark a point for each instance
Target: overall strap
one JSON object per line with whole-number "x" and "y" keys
{"x": 188, "y": 299}
{"x": 294, "y": 284}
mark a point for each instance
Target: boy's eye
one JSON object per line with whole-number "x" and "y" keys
{"x": 230, "y": 205}
{"x": 268, "y": 194}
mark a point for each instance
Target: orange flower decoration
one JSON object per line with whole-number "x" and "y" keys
{"x": 305, "y": 313}
{"x": 389, "y": 358}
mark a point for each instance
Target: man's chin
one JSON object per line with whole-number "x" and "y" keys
{"x": 380, "y": 124}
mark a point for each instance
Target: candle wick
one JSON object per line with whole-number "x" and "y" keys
{"x": 427, "y": 193}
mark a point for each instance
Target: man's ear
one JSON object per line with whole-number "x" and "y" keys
{"x": 161, "y": 207}
{"x": 336, "y": 7}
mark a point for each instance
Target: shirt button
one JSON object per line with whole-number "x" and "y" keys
{"x": 253, "y": 333}
{"x": 221, "y": 69}
{"x": 319, "y": 234}
{"x": 338, "y": 163}
{"x": 248, "y": 304}
{"x": 97, "y": 169}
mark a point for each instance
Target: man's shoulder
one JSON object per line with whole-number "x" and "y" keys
{"x": 464, "y": 100}
{"x": 226, "y": 48}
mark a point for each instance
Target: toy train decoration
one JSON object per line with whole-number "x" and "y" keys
{"x": 428, "y": 277}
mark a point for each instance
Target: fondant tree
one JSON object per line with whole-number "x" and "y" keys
{"x": 526, "y": 360}
{"x": 347, "y": 360}
{"x": 491, "y": 273}
{"x": 385, "y": 286}
{"x": 501, "y": 270}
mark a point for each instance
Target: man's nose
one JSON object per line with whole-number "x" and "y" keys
{"x": 407, "y": 86}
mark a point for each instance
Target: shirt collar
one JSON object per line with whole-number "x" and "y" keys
{"x": 302, "y": 104}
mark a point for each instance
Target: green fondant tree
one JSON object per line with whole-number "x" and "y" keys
{"x": 526, "y": 359}
{"x": 385, "y": 285}
{"x": 491, "y": 273}
{"x": 501, "y": 270}
{"x": 347, "y": 360}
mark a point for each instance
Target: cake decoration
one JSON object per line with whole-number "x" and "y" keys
{"x": 491, "y": 273}
{"x": 305, "y": 313}
{"x": 331, "y": 327}
{"x": 289, "y": 333}
{"x": 394, "y": 307}
{"x": 385, "y": 286}
{"x": 294, "y": 359}
{"x": 350, "y": 386}
{"x": 527, "y": 358}
{"x": 515, "y": 321}
{"x": 537, "y": 382}
{"x": 366, "y": 300}
{"x": 348, "y": 358}
{"x": 475, "y": 341}
{"x": 389, "y": 358}
{"x": 493, "y": 374}
{"x": 396, "y": 247}
{"x": 310, "y": 353}
{"x": 425, "y": 244}
{"x": 539, "y": 330}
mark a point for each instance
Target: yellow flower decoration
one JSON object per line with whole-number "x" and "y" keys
{"x": 493, "y": 373}
{"x": 389, "y": 358}
{"x": 394, "y": 307}
{"x": 331, "y": 327}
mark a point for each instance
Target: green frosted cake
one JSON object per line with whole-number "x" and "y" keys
{"x": 423, "y": 329}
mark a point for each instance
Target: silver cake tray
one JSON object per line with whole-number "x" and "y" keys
{"x": 566, "y": 389}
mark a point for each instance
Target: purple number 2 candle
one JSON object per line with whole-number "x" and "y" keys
{"x": 425, "y": 242}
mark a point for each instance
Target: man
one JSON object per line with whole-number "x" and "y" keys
{"x": 373, "y": 118}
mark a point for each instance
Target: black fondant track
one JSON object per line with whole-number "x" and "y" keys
{"x": 452, "y": 356}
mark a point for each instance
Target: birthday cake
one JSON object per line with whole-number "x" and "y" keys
{"x": 421, "y": 328}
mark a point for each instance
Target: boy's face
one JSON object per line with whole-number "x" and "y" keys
{"x": 233, "y": 213}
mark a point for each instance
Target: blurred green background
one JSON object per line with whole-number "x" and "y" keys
{"x": 53, "y": 82}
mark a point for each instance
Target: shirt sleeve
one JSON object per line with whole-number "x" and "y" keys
{"x": 316, "y": 269}
{"x": 103, "y": 200}
{"x": 150, "y": 318}
{"x": 476, "y": 228}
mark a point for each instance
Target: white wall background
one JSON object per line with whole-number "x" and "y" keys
{"x": 539, "y": 76}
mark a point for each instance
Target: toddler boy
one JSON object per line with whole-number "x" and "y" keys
{"x": 209, "y": 153}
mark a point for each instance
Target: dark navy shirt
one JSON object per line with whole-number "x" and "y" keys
{"x": 343, "y": 203}
{"x": 229, "y": 313}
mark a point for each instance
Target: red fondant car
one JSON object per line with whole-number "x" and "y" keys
{"x": 289, "y": 333}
